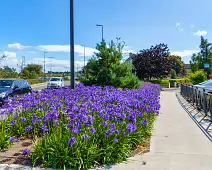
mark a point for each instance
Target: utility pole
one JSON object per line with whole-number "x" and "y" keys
{"x": 207, "y": 67}
{"x": 44, "y": 64}
{"x": 98, "y": 25}
{"x": 23, "y": 61}
{"x": 72, "y": 45}
{"x": 84, "y": 61}
{"x": 51, "y": 65}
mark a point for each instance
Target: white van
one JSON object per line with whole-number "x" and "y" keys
{"x": 56, "y": 82}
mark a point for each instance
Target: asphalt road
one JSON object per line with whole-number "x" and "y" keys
{"x": 43, "y": 86}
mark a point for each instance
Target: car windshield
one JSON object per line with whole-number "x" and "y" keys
{"x": 6, "y": 83}
{"x": 55, "y": 79}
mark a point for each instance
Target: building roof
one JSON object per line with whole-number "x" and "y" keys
{"x": 187, "y": 66}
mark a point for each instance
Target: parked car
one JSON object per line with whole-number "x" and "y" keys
{"x": 10, "y": 88}
{"x": 56, "y": 82}
{"x": 207, "y": 85}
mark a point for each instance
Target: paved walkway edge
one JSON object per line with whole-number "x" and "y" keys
{"x": 181, "y": 101}
{"x": 177, "y": 142}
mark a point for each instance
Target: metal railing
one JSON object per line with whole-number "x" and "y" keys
{"x": 199, "y": 99}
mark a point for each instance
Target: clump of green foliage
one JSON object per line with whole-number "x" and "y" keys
{"x": 31, "y": 71}
{"x": 173, "y": 74}
{"x": 198, "y": 77}
{"x": 106, "y": 68}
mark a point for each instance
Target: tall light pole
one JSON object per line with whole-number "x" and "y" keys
{"x": 72, "y": 45}
{"x": 44, "y": 63}
{"x": 206, "y": 58}
{"x": 24, "y": 61}
{"x": 98, "y": 25}
{"x": 84, "y": 60}
{"x": 51, "y": 65}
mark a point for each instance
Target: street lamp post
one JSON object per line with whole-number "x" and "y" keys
{"x": 206, "y": 58}
{"x": 72, "y": 45}
{"x": 102, "y": 30}
{"x": 50, "y": 65}
{"x": 206, "y": 51}
{"x": 44, "y": 62}
{"x": 84, "y": 60}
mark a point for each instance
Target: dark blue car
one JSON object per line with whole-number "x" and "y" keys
{"x": 10, "y": 88}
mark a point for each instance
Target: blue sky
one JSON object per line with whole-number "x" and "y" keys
{"x": 30, "y": 27}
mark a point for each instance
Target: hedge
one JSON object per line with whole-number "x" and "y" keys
{"x": 35, "y": 81}
{"x": 166, "y": 82}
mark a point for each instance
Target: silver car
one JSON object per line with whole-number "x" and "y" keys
{"x": 56, "y": 82}
{"x": 207, "y": 85}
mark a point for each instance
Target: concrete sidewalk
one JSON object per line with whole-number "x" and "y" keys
{"x": 177, "y": 143}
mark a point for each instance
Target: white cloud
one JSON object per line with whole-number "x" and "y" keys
{"x": 192, "y": 26}
{"x": 10, "y": 60}
{"x": 88, "y": 50}
{"x": 184, "y": 53}
{"x": 9, "y": 54}
{"x": 17, "y": 46}
{"x": 66, "y": 48}
{"x": 178, "y": 25}
{"x": 128, "y": 50}
{"x": 57, "y": 65}
{"x": 54, "y": 48}
{"x": 200, "y": 33}
{"x": 32, "y": 52}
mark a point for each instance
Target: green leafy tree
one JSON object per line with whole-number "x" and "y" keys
{"x": 198, "y": 59}
{"x": 178, "y": 64}
{"x": 10, "y": 72}
{"x": 198, "y": 77}
{"x": 7, "y": 72}
{"x": 31, "y": 71}
{"x": 153, "y": 62}
{"x": 106, "y": 67}
{"x": 173, "y": 74}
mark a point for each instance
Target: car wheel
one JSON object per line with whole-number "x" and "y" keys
{"x": 9, "y": 97}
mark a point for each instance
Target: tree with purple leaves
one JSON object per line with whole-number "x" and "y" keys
{"x": 153, "y": 62}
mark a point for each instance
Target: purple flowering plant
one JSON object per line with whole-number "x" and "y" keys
{"x": 90, "y": 123}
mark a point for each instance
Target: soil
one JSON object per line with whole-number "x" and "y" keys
{"x": 14, "y": 155}
{"x": 142, "y": 148}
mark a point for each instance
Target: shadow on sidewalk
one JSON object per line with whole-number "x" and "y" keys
{"x": 204, "y": 123}
{"x": 170, "y": 89}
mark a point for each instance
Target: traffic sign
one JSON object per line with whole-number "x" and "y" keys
{"x": 206, "y": 65}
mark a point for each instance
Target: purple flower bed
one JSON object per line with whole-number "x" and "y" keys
{"x": 86, "y": 126}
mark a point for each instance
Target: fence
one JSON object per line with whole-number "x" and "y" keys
{"x": 199, "y": 98}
